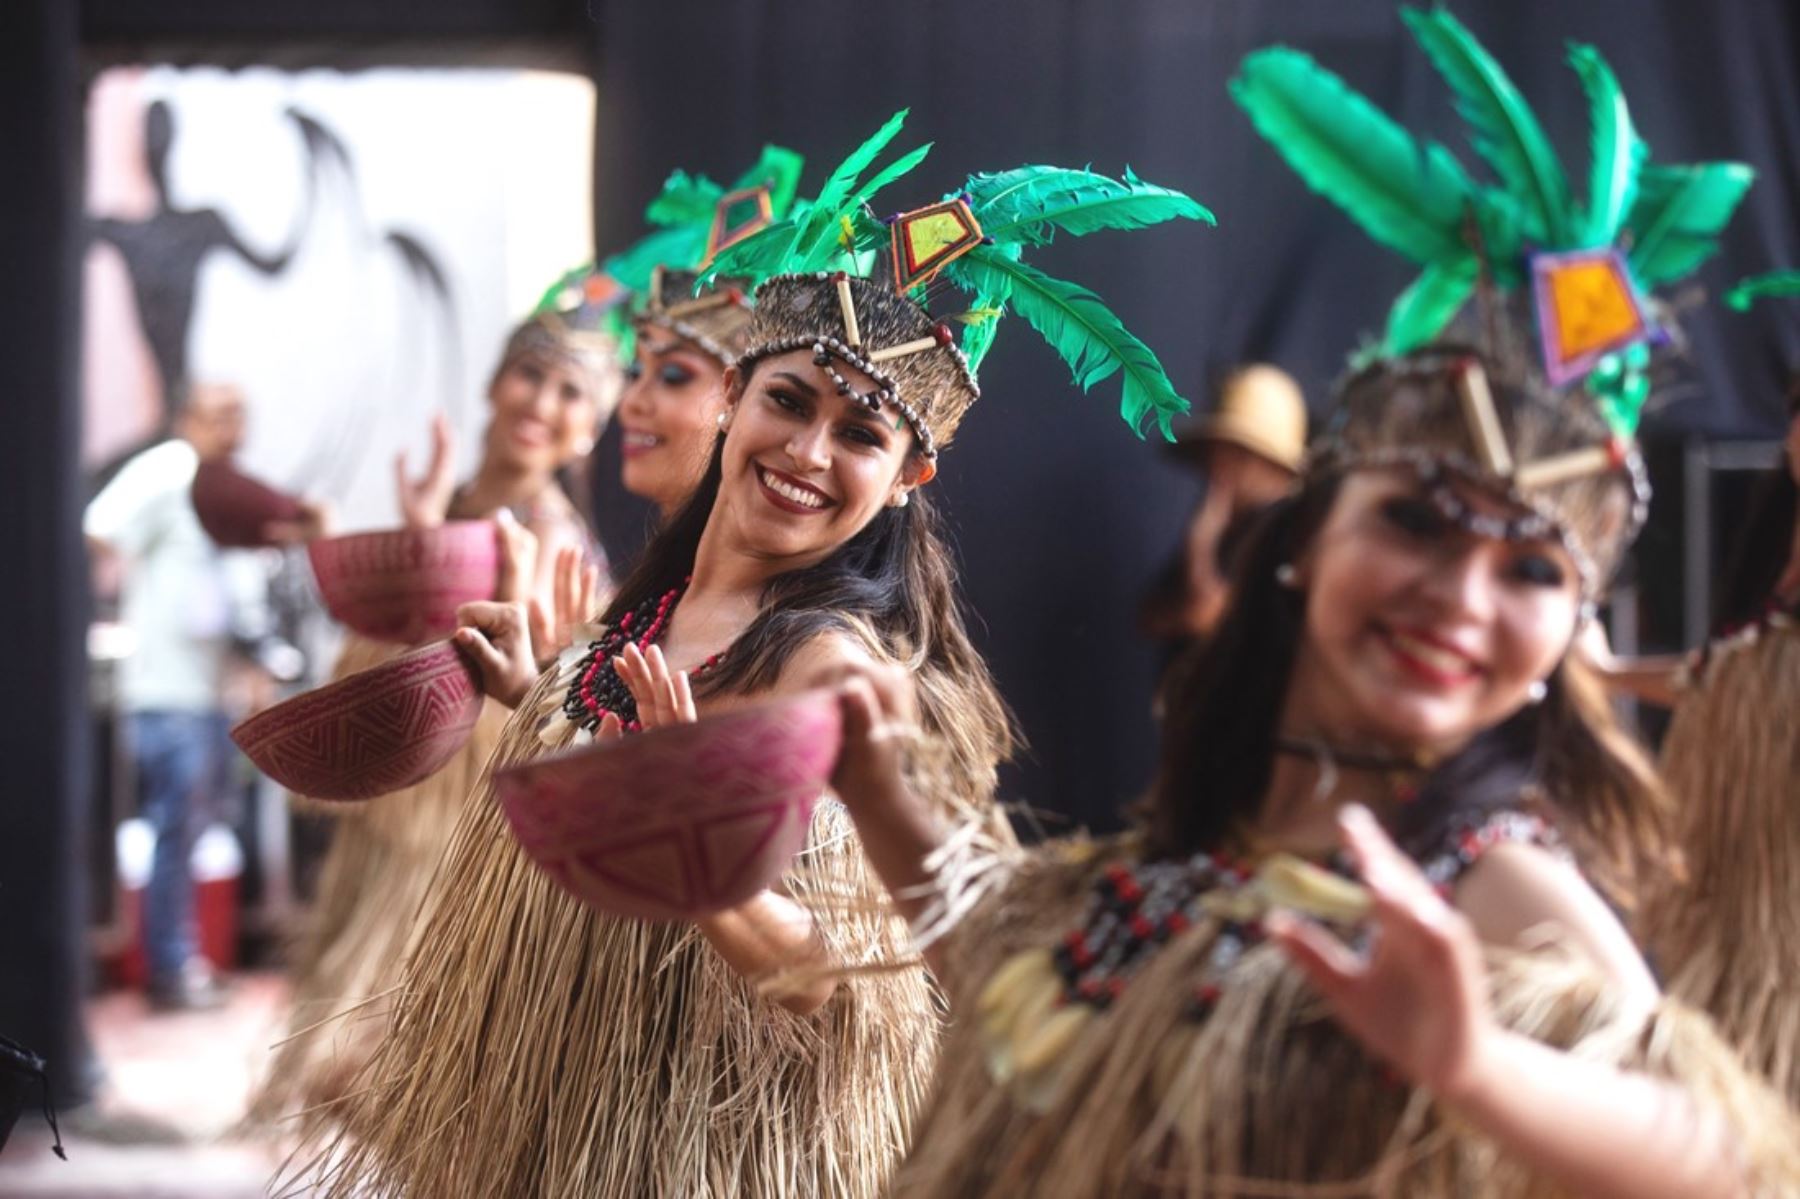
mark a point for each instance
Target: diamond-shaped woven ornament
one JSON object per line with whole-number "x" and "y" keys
{"x": 737, "y": 216}
{"x": 927, "y": 239}
{"x": 1587, "y": 307}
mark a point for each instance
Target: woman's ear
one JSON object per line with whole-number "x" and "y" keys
{"x": 733, "y": 385}
{"x": 917, "y": 471}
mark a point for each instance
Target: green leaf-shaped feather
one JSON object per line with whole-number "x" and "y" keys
{"x": 1774, "y": 284}
{"x": 979, "y": 327}
{"x": 1031, "y": 204}
{"x": 1079, "y": 327}
{"x": 1410, "y": 198}
{"x": 1679, "y": 212}
{"x": 684, "y": 200}
{"x": 826, "y": 234}
{"x": 677, "y": 248}
{"x": 1432, "y": 302}
{"x": 816, "y": 229}
{"x": 1503, "y": 127}
{"x": 1618, "y": 152}
{"x": 779, "y": 169}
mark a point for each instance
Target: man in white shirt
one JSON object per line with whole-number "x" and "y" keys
{"x": 177, "y": 601}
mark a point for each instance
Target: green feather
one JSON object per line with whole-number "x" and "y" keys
{"x": 1432, "y": 302}
{"x": 1032, "y": 211}
{"x": 1410, "y": 198}
{"x": 839, "y": 185}
{"x": 823, "y": 234}
{"x": 1618, "y": 152}
{"x": 1079, "y": 327}
{"x": 678, "y": 248}
{"x": 1503, "y": 127}
{"x": 1773, "y": 284}
{"x": 684, "y": 200}
{"x": 779, "y": 169}
{"x": 1679, "y": 212}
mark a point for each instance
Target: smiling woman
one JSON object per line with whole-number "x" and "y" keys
{"x": 781, "y": 1047}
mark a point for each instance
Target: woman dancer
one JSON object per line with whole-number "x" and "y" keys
{"x": 545, "y": 1048}
{"x": 1134, "y": 1016}
{"x": 1726, "y": 935}
{"x": 553, "y": 391}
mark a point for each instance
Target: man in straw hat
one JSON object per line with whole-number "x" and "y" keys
{"x": 1249, "y": 449}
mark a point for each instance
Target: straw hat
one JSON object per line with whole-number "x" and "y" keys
{"x": 1262, "y": 410}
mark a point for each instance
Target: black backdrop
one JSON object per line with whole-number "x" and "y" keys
{"x": 1060, "y": 515}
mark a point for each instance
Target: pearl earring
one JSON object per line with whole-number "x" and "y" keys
{"x": 1535, "y": 693}
{"x": 725, "y": 420}
{"x": 902, "y": 501}
{"x": 1287, "y": 576}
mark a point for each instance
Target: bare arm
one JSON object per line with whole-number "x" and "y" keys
{"x": 1419, "y": 1003}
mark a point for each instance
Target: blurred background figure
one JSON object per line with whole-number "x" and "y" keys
{"x": 179, "y": 601}
{"x": 1248, "y": 451}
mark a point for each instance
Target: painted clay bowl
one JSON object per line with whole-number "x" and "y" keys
{"x": 405, "y": 584}
{"x": 371, "y": 733}
{"x": 678, "y": 822}
{"x": 234, "y": 508}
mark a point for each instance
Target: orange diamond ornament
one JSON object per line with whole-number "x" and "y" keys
{"x": 1587, "y": 307}
{"x": 738, "y": 215}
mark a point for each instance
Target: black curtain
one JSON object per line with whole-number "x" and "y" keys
{"x": 1061, "y": 515}
{"x": 43, "y": 589}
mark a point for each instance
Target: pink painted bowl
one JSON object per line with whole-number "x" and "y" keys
{"x": 678, "y": 822}
{"x": 374, "y": 732}
{"x": 405, "y": 584}
{"x": 234, "y": 509}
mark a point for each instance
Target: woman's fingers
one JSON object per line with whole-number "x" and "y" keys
{"x": 610, "y": 728}
{"x": 684, "y": 699}
{"x": 1325, "y": 960}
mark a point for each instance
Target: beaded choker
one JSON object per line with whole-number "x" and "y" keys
{"x": 597, "y": 690}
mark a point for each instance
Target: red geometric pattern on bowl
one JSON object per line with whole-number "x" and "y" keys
{"x": 405, "y": 584}
{"x": 233, "y": 508}
{"x": 677, "y": 822}
{"x": 374, "y": 732}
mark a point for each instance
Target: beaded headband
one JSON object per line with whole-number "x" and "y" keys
{"x": 822, "y": 285}
{"x": 1435, "y": 411}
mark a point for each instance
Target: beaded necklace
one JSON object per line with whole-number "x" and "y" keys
{"x": 597, "y": 691}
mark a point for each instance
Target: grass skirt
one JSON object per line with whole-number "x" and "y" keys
{"x": 1729, "y": 938}
{"x": 538, "y": 1047}
{"x": 373, "y": 878}
{"x": 1267, "y": 1097}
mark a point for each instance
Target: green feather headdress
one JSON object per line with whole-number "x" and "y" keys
{"x": 1586, "y": 259}
{"x": 692, "y": 219}
{"x": 1640, "y": 224}
{"x": 822, "y": 284}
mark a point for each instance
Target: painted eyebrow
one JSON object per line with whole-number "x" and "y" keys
{"x": 798, "y": 384}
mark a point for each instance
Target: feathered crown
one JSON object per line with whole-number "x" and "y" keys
{"x": 694, "y": 219}
{"x": 1586, "y": 265}
{"x": 823, "y": 285}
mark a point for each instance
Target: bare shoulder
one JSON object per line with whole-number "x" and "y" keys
{"x": 824, "y": 659}
{"x": 1523, "y": 896}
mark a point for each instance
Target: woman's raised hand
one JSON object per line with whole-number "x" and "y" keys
{"x": 518, "y": 559}
{"x": 663, "y": 697}
{"x": 574, "y": 596}
{"x": 1419, "y": 999}
{"x": 425, "y": 501}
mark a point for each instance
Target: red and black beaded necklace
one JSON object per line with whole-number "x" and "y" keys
{"x": 597, "y": 690}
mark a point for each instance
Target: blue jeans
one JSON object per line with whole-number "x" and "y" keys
{"x": 178, "y": 760}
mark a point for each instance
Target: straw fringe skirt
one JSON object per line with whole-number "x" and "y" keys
{"x": 1266, "y": 1097}
{"x": 373, "y": 879}
{"x": 1729, "y": 939}
{"x": 540, "y": 1048}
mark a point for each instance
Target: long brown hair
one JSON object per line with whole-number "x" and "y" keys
{"x": 1224, "y": 703}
